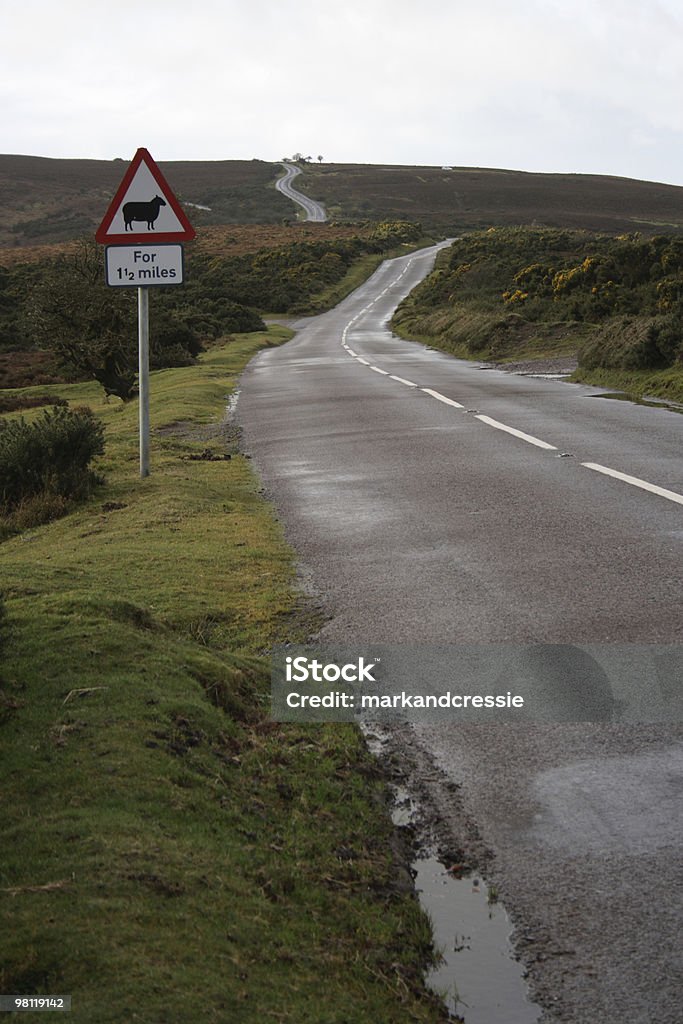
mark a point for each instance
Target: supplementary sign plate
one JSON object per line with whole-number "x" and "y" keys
{"x": 143, "y": 265}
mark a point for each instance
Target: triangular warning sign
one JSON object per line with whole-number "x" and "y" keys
{"x": 144, "y": 208}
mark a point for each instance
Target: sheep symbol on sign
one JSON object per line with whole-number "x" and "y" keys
{"x": 142, "y": 211}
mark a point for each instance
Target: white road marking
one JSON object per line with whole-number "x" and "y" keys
{"x": 635, "y": 481}
{"x": 517, "y": 433}
{"x": 442, "y": 398}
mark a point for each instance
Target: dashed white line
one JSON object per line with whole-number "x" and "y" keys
{"x": 517, "y": 433}
{"x": 442, "y": 398}
{"x": 635, "y": 482}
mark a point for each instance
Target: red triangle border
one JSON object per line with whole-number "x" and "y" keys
{"x": 133, "y": 238}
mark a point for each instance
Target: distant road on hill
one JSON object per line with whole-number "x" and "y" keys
{"x": 45, "y": 200}
{"x": 314, "y": 211}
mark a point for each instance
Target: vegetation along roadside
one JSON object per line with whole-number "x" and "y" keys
{"x": 509, "y": 294}
{"x": 58, "y": 319}
{"x": 170, "y": 853}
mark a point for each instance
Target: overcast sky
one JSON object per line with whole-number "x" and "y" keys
{"x": 544, "y": 85}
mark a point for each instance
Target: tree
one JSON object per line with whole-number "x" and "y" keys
{"x": 320, "y": 159}
{"x": 90, "y": 327}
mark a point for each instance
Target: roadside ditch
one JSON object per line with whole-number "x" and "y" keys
{"x": 478, "y": 975}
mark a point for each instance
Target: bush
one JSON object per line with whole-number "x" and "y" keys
{"x": 12, "y": 403}
{"x": 48, "y": 461}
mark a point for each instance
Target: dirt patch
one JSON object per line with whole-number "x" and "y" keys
{"x": 225, "y": 433}
{"x": 441, "y": 822}
{"x": 558, "y": 364}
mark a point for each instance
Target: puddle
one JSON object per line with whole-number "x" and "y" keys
{"x": 565, "y": 375}
{"x": 231, "y": 407}
{"x": 653, "y": 403}
{"x": 478, "y": 977}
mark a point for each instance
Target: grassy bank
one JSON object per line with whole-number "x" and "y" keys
{"x": 665, "y": 384}
{"x": 511, "y": 294}
{"x": 357, "y": 274}
{"x": 477, "y": 334}
{"x": 169, "y": 853}
{"x": 512, "y": 340}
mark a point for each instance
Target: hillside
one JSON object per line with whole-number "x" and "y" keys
{"x": 465, "y": 197}
{"x": 53, "y": 298}
{"x": 514, "y": 294}
{"x": 45, "y": 200}
{"x": 48, "y": 200}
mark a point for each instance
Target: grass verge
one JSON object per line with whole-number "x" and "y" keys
{"x": 665, "y": 384}
{"x": 470, "y": 333}
{"x": 357, "y": 274}
{"x": 171, "y": 855}
{"x": 513, "y": 340}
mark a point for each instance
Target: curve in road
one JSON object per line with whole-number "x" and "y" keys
{"x": 314, "y": 211}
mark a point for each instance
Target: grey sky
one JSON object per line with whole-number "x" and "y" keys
{"x": 548, "y": 85}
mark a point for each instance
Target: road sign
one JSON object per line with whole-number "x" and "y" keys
{"x": 143, "y": 265}
{"x": 144, "y": 208}
{"x": 143, "y": 218}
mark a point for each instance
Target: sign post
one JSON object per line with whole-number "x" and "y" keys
{"x": 143, "y": 378}
{"x": 144, "y": 256}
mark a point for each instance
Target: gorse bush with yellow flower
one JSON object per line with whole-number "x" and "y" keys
{"x": 552, "y": 277}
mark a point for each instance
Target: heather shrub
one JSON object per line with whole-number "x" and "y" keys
{"x": 46, "y": 463}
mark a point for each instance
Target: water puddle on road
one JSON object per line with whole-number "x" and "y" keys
{"x": 651, "y": 401}
{"x": 478, "y": 977}
{"x": 231, "y": 407}
{"x": 565, "y": 375}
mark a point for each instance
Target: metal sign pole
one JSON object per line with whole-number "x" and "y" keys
{"x": 143, "y": 377}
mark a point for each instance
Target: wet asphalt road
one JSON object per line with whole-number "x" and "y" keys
{"x": 314, "y": 211}
{"x": 439, "y": 502}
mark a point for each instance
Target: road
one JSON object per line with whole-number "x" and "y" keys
{"x": 433, "y": 501}
{"x": 314, "y": 211}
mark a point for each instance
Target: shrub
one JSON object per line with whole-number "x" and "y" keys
{"x": 48, "y": 461}
{"x": 12, "y": 403}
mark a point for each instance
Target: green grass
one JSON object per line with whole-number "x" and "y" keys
{"x": 453, "y": 333}
{"x": 666, "y": 384}
{"x": 169, "y": 853}
{"x": 357, "y": 274}
{"x": 471, "y": 333}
